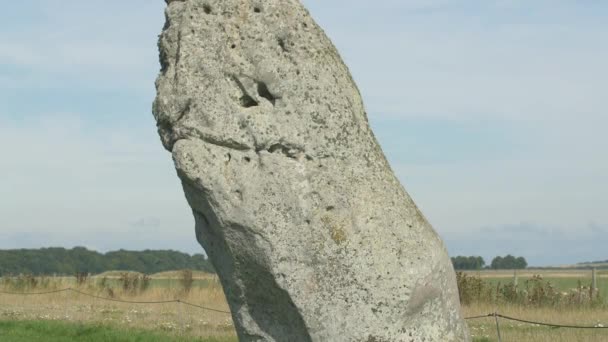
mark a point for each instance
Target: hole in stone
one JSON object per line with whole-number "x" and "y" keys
{"x": 305, "y": 24}
{"x": 207, "y": 8}
{"x": 233, "y": 46}
{"x": 275, "y": 148}
{"x": 257, "y": 9}
{"x": 330, "y": 208}
{"x": 282, "y": 45}
{"x": 248, "y": 101}
{"x": 265, "y": 93}
{"x": 247, "y": 159}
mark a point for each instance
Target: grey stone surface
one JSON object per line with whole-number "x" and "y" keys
{"x": 313, "y": 237}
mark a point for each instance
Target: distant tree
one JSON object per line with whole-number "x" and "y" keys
{"x": 497, "y": 263}
{"x": 468, "y": 262}
{"x": 521, "y": 263}
{"x": 79, "y": 259}
{"x": 508, "y": 262}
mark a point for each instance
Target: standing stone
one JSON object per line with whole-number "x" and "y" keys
{"x": 312, "y": 235}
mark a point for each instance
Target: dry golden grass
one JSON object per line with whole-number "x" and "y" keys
{"x": 116, "y": 274}
{"x": 178, "y": 275}
{"x": 527, "y": 273}
{"x": 522, "y": 332}
{"x": 180, "y": 319}
{"x": 170, "y": 317}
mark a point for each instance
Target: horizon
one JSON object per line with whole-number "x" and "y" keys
{"x": 202, "y": 252}
{"x": 491, "y": 115}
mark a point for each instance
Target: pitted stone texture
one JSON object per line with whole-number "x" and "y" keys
{"x": 313, "y": 237}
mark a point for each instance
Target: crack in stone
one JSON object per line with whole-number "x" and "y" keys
{"x": 246, "y": 100}
{"x": 286, "y": 149}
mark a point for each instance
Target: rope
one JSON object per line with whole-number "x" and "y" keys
{"x": 553, "y": 325}
{"x": 123, "y": 301}
{"x": 480, "y": 316}
{"x": 115, "y": 299}
{"x": 538, "y": 323}
{"x": 32, "y": 293}
{"x": 202, "y": 307}
{"x": 228, "y": 312}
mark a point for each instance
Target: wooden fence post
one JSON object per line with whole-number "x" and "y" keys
{"x": 497, "y": 327}
{"x": 593, "y": 282}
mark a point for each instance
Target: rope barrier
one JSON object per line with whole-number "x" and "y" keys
{"x": 123, "y": 301}
{"x": 179, "y": 301}
{"x": 552, "y": 324}
{"x": 493, "y": 314}
{"x": 202, "y": 307}
{"x": 480, "y": 316}
{"x": 32, "y": 293}
{"x": 115, "y": 299}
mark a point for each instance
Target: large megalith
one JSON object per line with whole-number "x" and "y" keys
{"x": 312, "y": 235}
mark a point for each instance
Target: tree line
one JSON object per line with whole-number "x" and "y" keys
{"x": 507, "y": 262}
{"x": 61, "y": 261}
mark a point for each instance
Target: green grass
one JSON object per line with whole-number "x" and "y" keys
{"x": 481, "y": 339}
{"x": 57, "y": 331}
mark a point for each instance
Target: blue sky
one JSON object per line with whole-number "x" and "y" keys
{"x": 492, "y": 113}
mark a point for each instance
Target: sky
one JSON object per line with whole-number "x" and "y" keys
{"x": 493, "y": 114}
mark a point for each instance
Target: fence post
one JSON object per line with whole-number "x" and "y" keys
{"x": 497, "y": 326}
{"x": 181, "y": 316}
{"x": 515, "y": 280}
{"x": 593, "y": 282}
{"x": 66, "y": 296}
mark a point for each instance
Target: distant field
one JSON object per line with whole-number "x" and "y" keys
{"x": 170, "y": 279}
{"x": 563, "y": 280}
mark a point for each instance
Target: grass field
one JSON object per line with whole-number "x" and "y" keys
{"x": 485, "y": 328}
{"x": 57, "y": 331}
{"x": 63, "y": 314}
{"x": 564, "y": 281}
{"x": 173, "y": 319}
